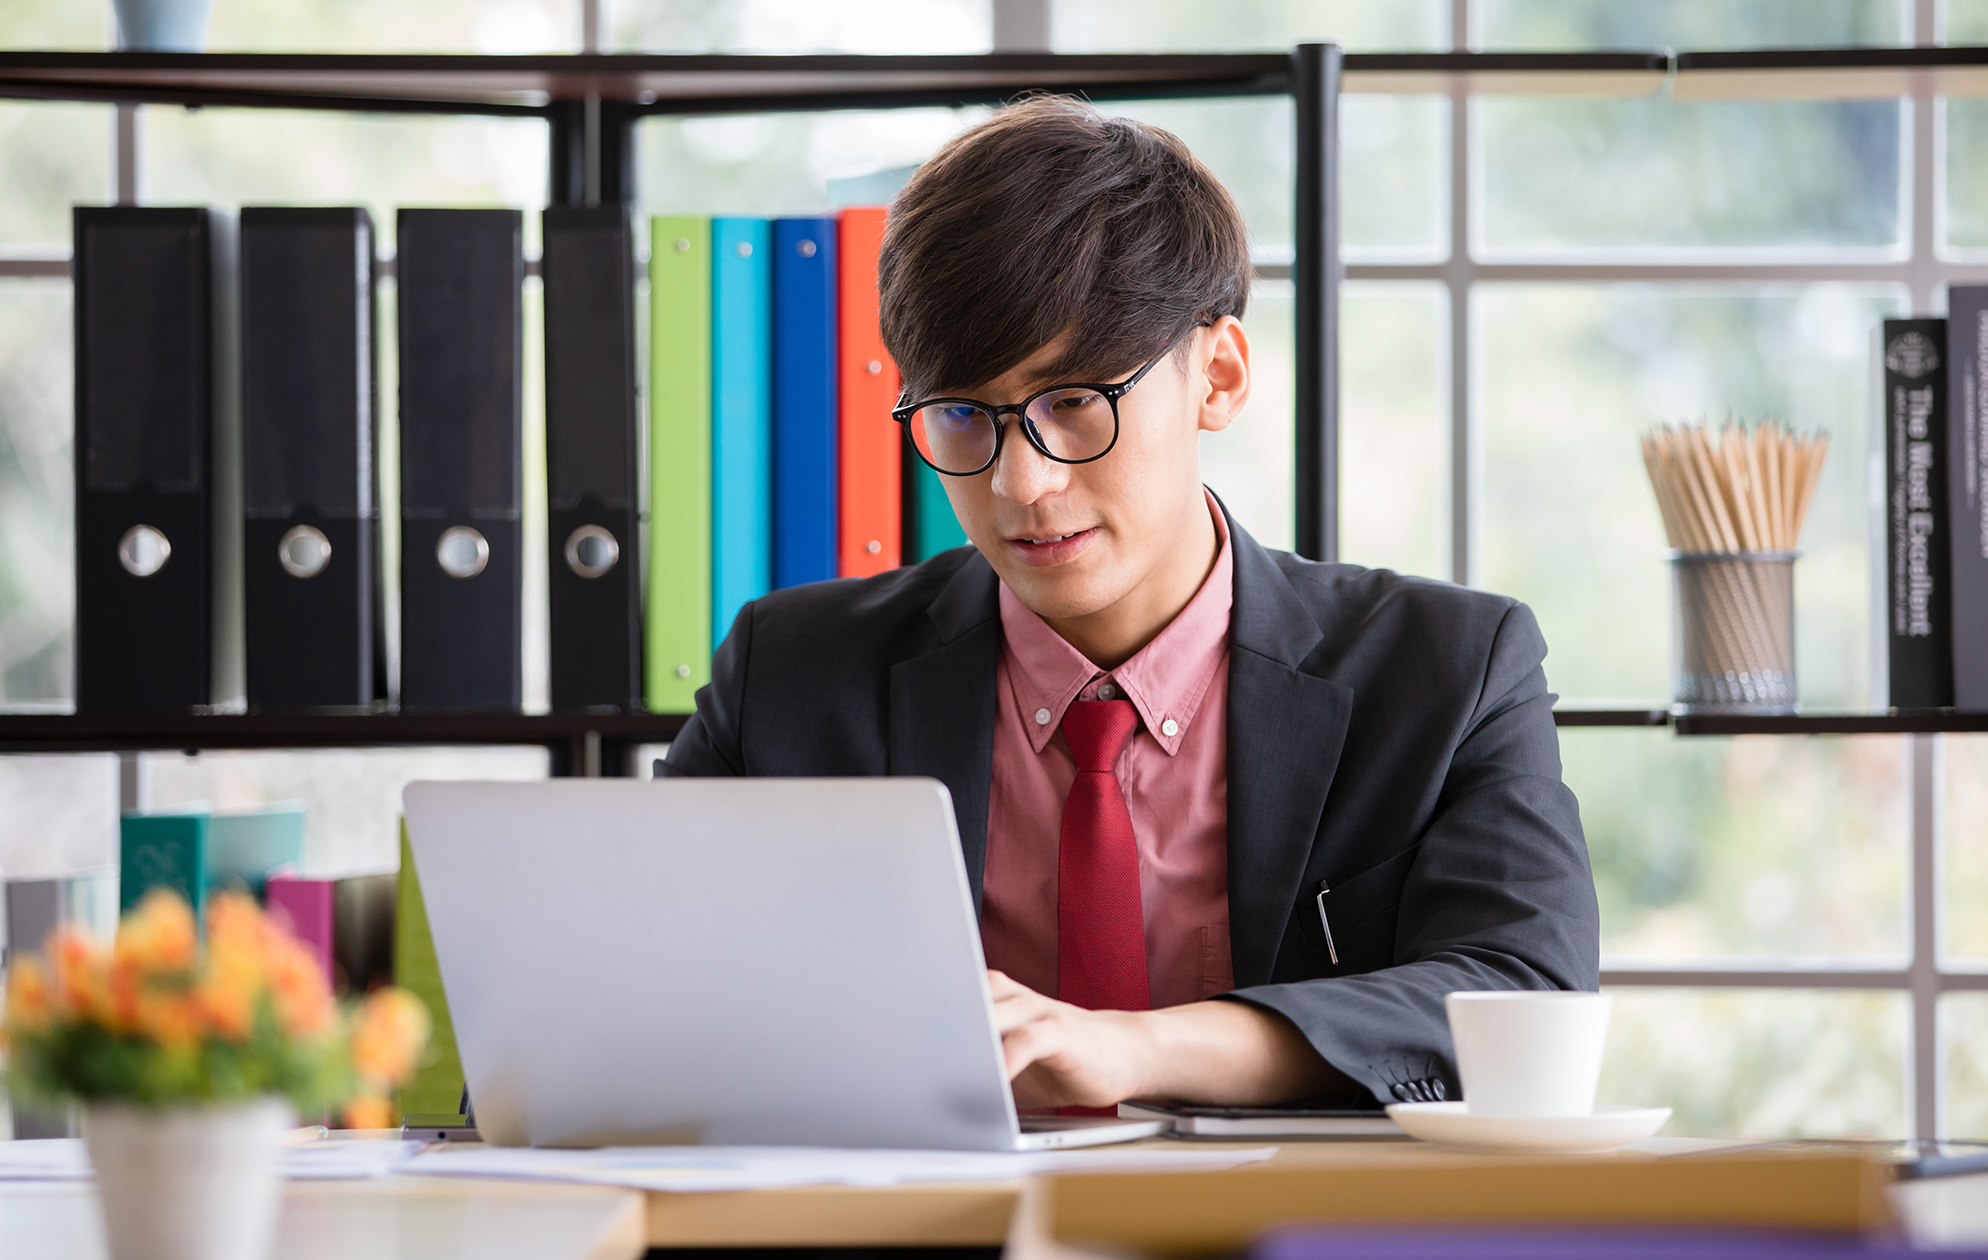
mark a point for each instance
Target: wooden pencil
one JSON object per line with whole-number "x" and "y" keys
{"x": 1733, "y": 490}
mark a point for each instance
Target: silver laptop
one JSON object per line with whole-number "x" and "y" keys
{"x": 788, "y": 962}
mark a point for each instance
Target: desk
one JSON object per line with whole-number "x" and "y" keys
{"x": 1950, "y": 1211}
{"x": 502, "y": 1220}
{"x": 1015, "y": 1213}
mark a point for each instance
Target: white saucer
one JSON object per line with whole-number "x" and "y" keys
{"x": 1608, "y": 1129}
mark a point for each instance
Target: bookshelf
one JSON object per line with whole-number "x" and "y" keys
{"x": 591, "y": 103}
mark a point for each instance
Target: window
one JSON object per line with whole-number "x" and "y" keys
{"x": 1531, "y": 281}
{"x": 1570, "y": 371}
{"x": 51, "y": 157}
{"x": 37, "y": 491}
{"x": 1762, "y": 849}
{"x": 351, "y": 796}
{"x": 877, "y": 26}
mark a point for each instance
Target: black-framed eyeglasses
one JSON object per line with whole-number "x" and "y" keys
{"x": 1071, "y": 424}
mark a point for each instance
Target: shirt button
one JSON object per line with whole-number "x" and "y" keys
{"x": 1107, "y": 692}
{"x": 1042, "y": 717}
{"x": 1169, "y": 728}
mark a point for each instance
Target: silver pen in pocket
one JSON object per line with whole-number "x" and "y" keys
{"x": 1330, "y": 951}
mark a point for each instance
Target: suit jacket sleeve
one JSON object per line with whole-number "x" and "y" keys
{"x": 1498, "y": 894}
{"x": 710, "y": 745}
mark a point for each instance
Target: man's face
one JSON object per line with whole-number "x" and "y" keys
{"x": 1073, "y": 540}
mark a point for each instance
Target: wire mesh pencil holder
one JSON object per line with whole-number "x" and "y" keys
{"x": 1733, "y": 631}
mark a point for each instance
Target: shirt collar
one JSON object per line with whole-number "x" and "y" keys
{"x": 1165, "y": 680}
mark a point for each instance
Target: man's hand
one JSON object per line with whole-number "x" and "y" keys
{"x": 1061, "y": 1055}
{"x": 1219, "y": 1053}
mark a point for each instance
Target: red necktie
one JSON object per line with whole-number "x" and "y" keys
{"x": 1100, "y": 925}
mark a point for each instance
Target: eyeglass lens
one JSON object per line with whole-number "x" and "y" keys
{"x": 1074, "y": 424}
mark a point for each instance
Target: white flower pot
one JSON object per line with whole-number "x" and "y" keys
{"x": 162, "y": 25}
{"x": 189, "y": 1182}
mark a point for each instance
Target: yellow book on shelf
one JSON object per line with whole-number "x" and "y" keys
{"x": 677, "y": 627}
{"x": 436, "y": 1087}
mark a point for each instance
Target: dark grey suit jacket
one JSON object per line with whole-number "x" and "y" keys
{"x": 1390, "y": 736}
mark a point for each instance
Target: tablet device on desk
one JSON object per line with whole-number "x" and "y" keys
{"x": 1191, "y": 1121}
{"x": 783, "y": 962}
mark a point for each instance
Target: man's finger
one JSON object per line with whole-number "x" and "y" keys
{"x": 1014, "y": 1013}
{"x": 1003, "y": 987}
{"x": 1017, "y": 1006}
{"x": 1036, "y": 1088}
{"x": 1029, "y": 1044}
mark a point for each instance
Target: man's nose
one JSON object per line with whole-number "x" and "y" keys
{"x": 1022, "y": 474}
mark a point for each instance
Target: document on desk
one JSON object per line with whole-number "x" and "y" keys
{"x": 44, "y": 1159}
{"x": 709, "y": 1168}
{"x": 334, "y": 1159}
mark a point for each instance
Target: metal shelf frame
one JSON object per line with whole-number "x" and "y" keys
{"x": 579, "y": 743}
{"x": 569, "y": 736}
{"x": 1895, "y": 722}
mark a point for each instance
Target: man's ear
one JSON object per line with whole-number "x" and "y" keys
{"x": 1223, "y": 355}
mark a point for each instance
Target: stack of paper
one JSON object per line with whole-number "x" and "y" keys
{"x": 334, "y": 1159}
{"x": 707, "y": 1168}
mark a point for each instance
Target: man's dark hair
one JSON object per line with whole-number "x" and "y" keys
{"x": 1052, "y": 217}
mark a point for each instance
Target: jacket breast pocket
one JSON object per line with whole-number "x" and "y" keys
{"x": 1358, "y": 913}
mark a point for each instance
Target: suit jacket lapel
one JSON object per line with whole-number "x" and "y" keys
{"x": 942, "y": 706}
{"x": 1286, "y": 728}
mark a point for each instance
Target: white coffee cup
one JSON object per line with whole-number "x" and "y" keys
{"x": 1529, "y": 1054}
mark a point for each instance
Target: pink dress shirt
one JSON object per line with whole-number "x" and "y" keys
{"x": 1174, "y": 773}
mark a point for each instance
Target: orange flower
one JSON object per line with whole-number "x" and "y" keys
{"x": 159, "y": 986}
{"x": 235, "y": 924}
{"x": 369, "y": 1111}
{"x": 30, "y": 997}
{"x": 393, "y": 1026}
{"x": 158, "y": 936}
{"x": 239, "y": 944}
{"x": 304, "y": 1006}
{"x": 82, "y": 975}
{"x": 228, "y": 989}
{"x": 173, "y": 1017}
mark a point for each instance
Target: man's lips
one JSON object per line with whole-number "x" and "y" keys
{"x": 1052, "y": 548}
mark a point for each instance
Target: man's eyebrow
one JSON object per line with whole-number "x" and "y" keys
{"x": 1033, "y": 384}
{"x": 1073, "y": 368}
{"x": 1082, "y": 367}
{"x": 1063, "y": 373}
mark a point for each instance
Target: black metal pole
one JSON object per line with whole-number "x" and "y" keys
{"x": 567, "y": 123}
{"x": 1315, "y": 271}
{"x": 592, "y": 138}
{"x": 617, "y": 153}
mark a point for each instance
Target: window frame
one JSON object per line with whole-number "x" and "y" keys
{"x": 1924, "y": 268}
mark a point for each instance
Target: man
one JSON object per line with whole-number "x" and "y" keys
{"x": 1235, "y": 822}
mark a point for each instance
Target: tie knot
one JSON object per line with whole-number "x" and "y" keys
{"x": 1097, "y": 731}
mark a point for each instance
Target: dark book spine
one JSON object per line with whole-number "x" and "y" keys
{"x": 1967, "y": 491}
{"x": 1919, "y": 647}
{"x": 309, "y": 516}
{"x": 592, "y": 457}
{"x": 459, "y": 276}
{"x": 146, "y": 343}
